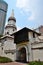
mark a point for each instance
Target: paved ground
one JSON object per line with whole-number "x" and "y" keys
{"x": 13, "y": 63}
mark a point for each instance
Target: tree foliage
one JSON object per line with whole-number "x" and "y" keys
{"x": 5, "y": 60}
{"x": 36, "y": 63}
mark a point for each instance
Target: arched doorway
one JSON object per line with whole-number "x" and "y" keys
{"x": 21, "y": 55}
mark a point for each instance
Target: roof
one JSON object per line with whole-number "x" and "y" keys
{"x": 12, "y": 18}
{"x": 6, "y": 36}
{"x": 26, "y": 29}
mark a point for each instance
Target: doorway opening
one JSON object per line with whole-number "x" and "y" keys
{"x": 21, "y": 55}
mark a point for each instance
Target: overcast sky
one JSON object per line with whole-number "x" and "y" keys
{"x": 28, "y": 13}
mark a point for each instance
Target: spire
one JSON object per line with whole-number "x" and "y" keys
{"x": 12, "y": 16}
{"x": 12, "y": 13}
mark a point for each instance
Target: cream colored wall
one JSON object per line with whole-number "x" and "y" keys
{"x": 10, "y": 30}
{"x": 9, "y": 45}
{"x": 11, "y": 22}
{"x": 30, "y": 35}
{"x": 30, "y": 52}
{"x": 37, "y": 54}
{"x": 1, "y": 50}
{"x": 37, "y": 45}
{"x": 31, "y": 39}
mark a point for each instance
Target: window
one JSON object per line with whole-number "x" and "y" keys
{"x": 33, "y": 35}
{"x": 7, "y": 32}
{"x": 2, "y": 48}
{"x": 5, "y": 39}
{"x": 12, "y": 53}
{"x": 13, "y": 29}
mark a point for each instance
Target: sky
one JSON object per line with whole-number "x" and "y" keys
{"x": 28, "y": 13}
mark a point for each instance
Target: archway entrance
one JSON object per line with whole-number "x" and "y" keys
{"x": 22, "y": 55}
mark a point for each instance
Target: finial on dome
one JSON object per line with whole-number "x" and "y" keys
{"x": 12, "y": 13}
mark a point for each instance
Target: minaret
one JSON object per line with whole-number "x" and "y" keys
{"x": 11, "y": 26}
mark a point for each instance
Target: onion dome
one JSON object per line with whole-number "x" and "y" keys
{"x": 12, "y": 16}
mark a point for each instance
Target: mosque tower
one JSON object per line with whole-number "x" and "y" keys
{"x": 11, "y": 26}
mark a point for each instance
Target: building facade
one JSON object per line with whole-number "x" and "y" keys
{"x": 39, "y": 29}
{"x": 3, "y": 12}
{"x": 27, "y": 45}
{"x": 23, "y": 46}
{"x": 7, "y": 46}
